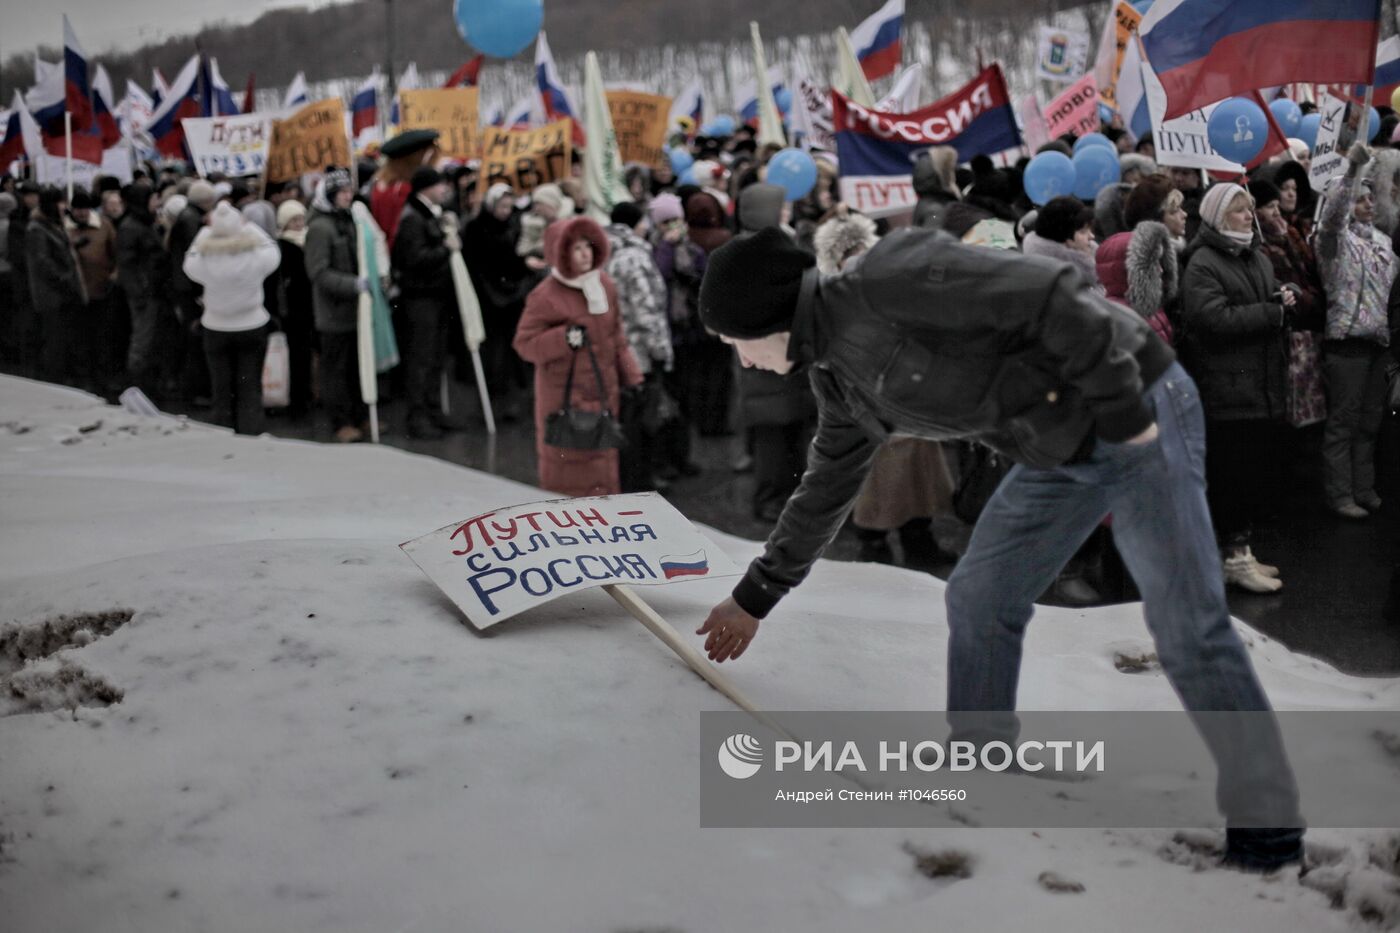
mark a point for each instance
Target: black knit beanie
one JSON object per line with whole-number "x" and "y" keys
{"x": 627, "y": 213}
{"x": 751, "y": 284}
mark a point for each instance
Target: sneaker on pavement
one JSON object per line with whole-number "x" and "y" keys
{"x": 1268, "y": 570}
{"x": 1350, "y": 509}
{"x": 1369, "y": 501}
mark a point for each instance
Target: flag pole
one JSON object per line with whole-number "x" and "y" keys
{"x": 68, "y": 150}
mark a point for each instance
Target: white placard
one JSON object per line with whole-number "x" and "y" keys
{"x": 1061, "y": 54}
{"x": 1182, "y": 142}
{"x": 234, "y": 145}
{"x": 505, "y": 562}
{"x": 1327, "y": 160}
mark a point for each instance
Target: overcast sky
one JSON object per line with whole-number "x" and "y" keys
{"x": 106, "y": 25}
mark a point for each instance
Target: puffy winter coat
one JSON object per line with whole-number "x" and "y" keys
{"x": 1358, "y": 267}
{"x": 1233, "y": 344}
{"x": 1037, "y": 245}
{"x": 232, "y": 268}
{"x": 1139, "y": 270}
{"x": 641, "y": 296}
{"x": 420, "y": 252}
{"x": 333, "y": 268}
{"x": 142, "y": 265}
{"x": 96, "y": 246}
{"x": 550, "y": 310}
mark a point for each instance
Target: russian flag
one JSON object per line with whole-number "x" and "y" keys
{"x": 46, "y": 100}
{"x": 105, "y": 120}
{"x": 159, "y": 88}
{"x": 77, "y": 91}
{"x": 523, "y": 114}
{"x": 216, "y": 100}
{"x": 1387, "y": 77}
{"x": 1132, "y": 92}
{"x": 690, "y": 102}
{"x": 1204, "y": 51}
{"x": 747, "y": 97}
{"x": 181, "y": 100}
{"x": 364, "y": 106}
{"x": 296, "y": 92}
{"x": 558, "y": 105}
{"x": 876, "y": 40}
{"x": 12, "y": 146}
{"x": 467, "y": 75}
{"x": 407, "y": 82}
{"x": 685, "y": 565}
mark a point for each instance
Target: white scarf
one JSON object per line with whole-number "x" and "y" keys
{"x": 591, "y": 284}
{"x": 1244, "y": 239}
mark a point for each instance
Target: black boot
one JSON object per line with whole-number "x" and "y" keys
{"x": 1262, "y": 850}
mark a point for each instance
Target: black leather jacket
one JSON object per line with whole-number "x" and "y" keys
{"x": 932, "y": 338}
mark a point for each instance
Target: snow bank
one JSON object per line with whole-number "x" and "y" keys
{"x": 301, "y": 734}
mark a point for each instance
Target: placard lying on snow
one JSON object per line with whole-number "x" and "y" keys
{"x": 500, "y": 564}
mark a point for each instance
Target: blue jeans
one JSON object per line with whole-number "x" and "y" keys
{"x": 1035, "y": 522}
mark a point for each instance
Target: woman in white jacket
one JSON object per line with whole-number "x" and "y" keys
{"x": 230, "y": 258}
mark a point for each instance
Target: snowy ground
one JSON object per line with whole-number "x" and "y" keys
{"x": 309, "y": 739}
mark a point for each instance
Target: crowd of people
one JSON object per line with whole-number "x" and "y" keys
{"x": 1276, "y": 299}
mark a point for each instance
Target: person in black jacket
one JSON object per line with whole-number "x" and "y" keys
{"x": 502, "y": 280}
{"x": 425, "y": 240}
{"x": 333, "y": 270}
{"x": 142, "y": 270}
{"x": 193, "y": 367}
{"x": 933, "y": 338}
{"x": 27, "y": 336}
{"x": 56, "y": 288}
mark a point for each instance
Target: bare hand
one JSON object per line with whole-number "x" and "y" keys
{"x": 730, "y": 628}
{"x": 535, "y": 263}
{"x": 1288, "y": 298}
{"x": 1146, "y": 437}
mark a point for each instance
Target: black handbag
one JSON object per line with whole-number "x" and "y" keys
{"x": 577, "y": 429}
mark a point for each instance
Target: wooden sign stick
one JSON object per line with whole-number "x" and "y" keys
{"x": 629, "y": 600}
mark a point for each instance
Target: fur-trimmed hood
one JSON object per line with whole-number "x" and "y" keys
{"x": 209, "y": 243}
{"x": 1384, "y": 174}
{"x": 839, "y": 237}
{"x": 1152, "y": 268}
{"x": 561, "y": 234}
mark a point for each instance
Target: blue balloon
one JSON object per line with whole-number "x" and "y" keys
{"x": 502, "y": 28}
{"x": 1093, "y": 139}
{"x": 1050, "y": 175}
{"x": 687, "y": 177}
{"x": 681, "y": 159}
{"x": 1307, "y": 128}
{"x": 723, "y": 125}
{"x": 1288, "y": 115}
{"x": 1373, "y": 125}
{"x": 783, "y": 99}
{"x": 1238, "y": 129}
{"x": 794, "y": 171}
{"x": 1094, "y": 168}
{"x": 1105, "y": 113}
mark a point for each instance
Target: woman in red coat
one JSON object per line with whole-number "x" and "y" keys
{"x": 575, "y": 308}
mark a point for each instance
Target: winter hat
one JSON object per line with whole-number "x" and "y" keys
{"x": 82, "y": 201}
{"x": 288, "y": 211}
{"x": 494, "y": 193}
{"x": 1147, "y": 200}
{"x": 1061, "y": 218}
{"x": 173, "y": 206}
{"x": 1136, "y": 161}
{"x": 1263, "y": 192}
{"x": 202, "y": 195}
{"x": 226, "y": 220}
{"x": 222, "y": 189}
{"x": 107, "y": 183}
{"x": 627, "y": 213}
{"x": 550, "y": 195}
{"x": 337, "y": 180}
{"x": 665, "y": 207}
{"x": 706, "y": 172}
{"x": 1298, "y": 149}
{"x": 424, "y": 177}
{"x": 1217, "y": 202}
{"x": 50, "y": 197}
{"x": 752, "y": 283}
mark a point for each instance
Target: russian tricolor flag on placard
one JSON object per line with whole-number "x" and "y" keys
{"x": 876, "y": 40}
{"x": 1387, "y": 77}
{"x": 1204, "y": 51}
{"x": 685, "y": 565}
{"x": 76, "y": 90}
{"x": 557, "y": 104}
{"x": 364, "y": 106}
{"x": 181, "y": 100}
